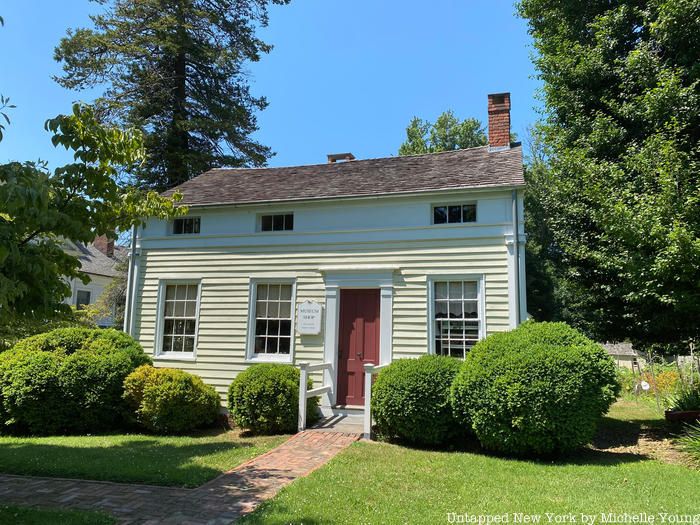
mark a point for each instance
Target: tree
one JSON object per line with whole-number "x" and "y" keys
{"x": 620, "y": 193}
{"x": 175, "y": 70}
{"x": 445, "y": 134}
{"x": 76, "y": 202}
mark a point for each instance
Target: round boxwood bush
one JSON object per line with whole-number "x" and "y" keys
{"x": 170, "y": 401}
{"x": 411, "y": 400}
{"x": 264, "y": 398}
{"x": 537, "y": 390}
{"x": 68, "y": 380}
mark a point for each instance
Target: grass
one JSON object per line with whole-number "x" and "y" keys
{"x": 30, "y": 516}
{"x": 375, "y": 483}
{"x": 184, "y": 461}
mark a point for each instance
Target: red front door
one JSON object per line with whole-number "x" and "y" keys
{"x": 358, "y": 342}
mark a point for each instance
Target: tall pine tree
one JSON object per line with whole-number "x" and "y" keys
{"x": 175, "y": 70}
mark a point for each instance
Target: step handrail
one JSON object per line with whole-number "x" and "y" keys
{"x": 370, "y": 371}
{"x": 305, "y": 393}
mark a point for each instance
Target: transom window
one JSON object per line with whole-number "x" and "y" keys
{"x": 456, "y": 317}
{"x": 179, "y": 318}
{"x": 82, "y": 299}
{"x": 454, "y": 213}
{"x": 185, "y": 225}
{"x": 273, "y": 319}
{"x": 277, "y": 223}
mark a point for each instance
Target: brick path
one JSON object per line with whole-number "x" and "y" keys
{"x": 220, "y": 501}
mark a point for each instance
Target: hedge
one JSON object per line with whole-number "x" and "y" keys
{"x": 264, "y": 398}
{"x": 411, "y": 400}
{"x": 68, "y": 380}
{"x": 537, "y": 390}
{"x": 170, "y": 401}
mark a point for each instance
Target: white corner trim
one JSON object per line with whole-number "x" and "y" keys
{"x": 158, "y": 354}
{"x": 480, "y": 280}
{"x": 250, "y": 355}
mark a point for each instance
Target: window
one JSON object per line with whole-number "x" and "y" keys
{"x": 186, "y": 225}
{"x": 179, "y": 320}
{"x": 272, "y": 320}
{"x": 454, "y": 213}
{"x": 277, "y": 223}
{"x": 82, "y": 299}
{"x": 456, "y": 323}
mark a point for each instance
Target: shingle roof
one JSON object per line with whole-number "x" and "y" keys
{"x": 94, "y": 261}
{"x": 460, "y": 169}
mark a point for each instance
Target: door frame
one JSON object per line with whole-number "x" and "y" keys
{"x": 337, "y": 278}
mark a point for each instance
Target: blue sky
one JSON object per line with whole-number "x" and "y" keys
{"x": 343, "y": 76}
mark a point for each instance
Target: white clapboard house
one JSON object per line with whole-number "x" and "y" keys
{"x": 341, "y": 265}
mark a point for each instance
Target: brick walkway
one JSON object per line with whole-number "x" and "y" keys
{"x": 220, "y": 501}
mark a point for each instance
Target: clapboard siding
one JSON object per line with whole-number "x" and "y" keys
{"x": 225, "y": 275}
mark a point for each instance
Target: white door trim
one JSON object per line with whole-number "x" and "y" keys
{"x": 355, "y": 277}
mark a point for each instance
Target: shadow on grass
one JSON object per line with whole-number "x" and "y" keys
{"x": 148, "y": 461}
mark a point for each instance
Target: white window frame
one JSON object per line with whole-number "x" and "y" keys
{"x": 89, "y": 292}
{"x": 172, "y": 226}
{"x": 474, "y": 203}
{"x": 480, "y": 281}
{"x": 251, "y": 355}
{"x": 272, "y": 214}
{"x": 160, "y": 321}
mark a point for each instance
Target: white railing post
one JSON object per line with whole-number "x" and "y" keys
{"x": 367, "y": 426}
{"x": 303, "y": 380}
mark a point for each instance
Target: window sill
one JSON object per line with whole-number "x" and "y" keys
{"x": 262, "y": 358}
{"x": 174, "y": 357}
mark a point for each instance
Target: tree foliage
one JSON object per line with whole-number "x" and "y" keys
{"x": 445, "y": 134}
{"x": 41, "y": 210}
{"x": 175, "y": 70}
{"x": 620, "y": 195}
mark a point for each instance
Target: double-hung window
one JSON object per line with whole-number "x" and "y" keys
{"x": 271, "y": 320}
{"x": 457, "y": 322}
{"x": 178, "y": 319}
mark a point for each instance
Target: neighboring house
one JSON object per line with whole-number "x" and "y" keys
{"x": 624, "y": 355}
{"x": 354, "y": 262}
{"x": 99, "y": 260}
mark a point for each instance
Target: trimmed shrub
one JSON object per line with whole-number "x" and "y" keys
{"x": 411, "y": 400}
{"x": 170, "y": 401}
{"x": 264, "y": 398}
{"x": 539, "y": 389}
{"x": 68, "y": 380}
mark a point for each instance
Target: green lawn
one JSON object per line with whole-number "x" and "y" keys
{"x": 27, "y": 516}
{"x": 175, "y": 460}
{"x": 378, "y": 483}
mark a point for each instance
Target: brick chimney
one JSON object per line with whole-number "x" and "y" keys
{"x": 499, "y": 121}
{"x": 339, "y": 157}
{"x": 105, "y": 245}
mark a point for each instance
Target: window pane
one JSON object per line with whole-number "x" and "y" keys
{"x": 266, "y": 224}
{"x": 471, "y": 309}
{"x": 285, "y": 328}
{"x": 456, "y": 309}
{"x": 274, "y": 292}
{"x": 455, "y": 290}
{"x": 440, "y": 309}
{"x": 177, "y": 226}
{"x": 470, "y": 290}
{"x": 440, "y": 290}
{"x": 286, "y": 292}
{"x": 439, "y": 215}
{"x": 454, "y": 214}
{"x": 177, "y": 344}
{"x": 191, "y": 308}
{"x": 469, "y": 213}
{"x": 167, "y": 343}
{"x": 284, "y": 345}
{"x": 179, "y": 326}
{"x": 196, "y": 225}
{"x": 262, "y": 292}
{"x": 285, "y": 310}
{"x": 180, "y": 292}
{"x": 278, "y": 222}
{"x": 170, "y": 292}
{"x": 289, "y": 222}
{"x": 168, "y": 326}
{"x": 259, "y": 345}
{"x": 271, "y": 345}
{"x": 261, "y": 309}
{"x": 273, "y": 327}
{"x": 179, "y": 309}
{"x": 260, "y": 327}
{"x": 189, "y": 344}
{"x": 273, "y": 310}
{"x": 169, "y": 308}
{"x": 190, "y": 326}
